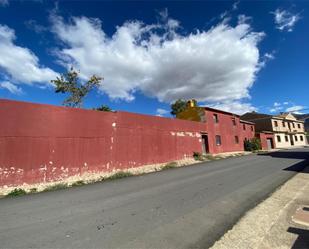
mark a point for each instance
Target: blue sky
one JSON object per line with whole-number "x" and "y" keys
{"x": 236, "y": 56}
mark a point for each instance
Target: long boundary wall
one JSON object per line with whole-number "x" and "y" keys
{"x": 44, "y": 143}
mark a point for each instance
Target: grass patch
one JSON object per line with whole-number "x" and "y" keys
{"x": 170, "y": 165}
{"x": 78, "y": 183}
{"x": 56, "y": 187}
{"x": 17, "y": 192}
{"x": 120, "y": 174}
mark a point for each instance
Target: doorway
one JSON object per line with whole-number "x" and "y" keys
{"x": 269, "y": 143}
{"x": 205, "y": 147}
{"x": 292, "y": 140}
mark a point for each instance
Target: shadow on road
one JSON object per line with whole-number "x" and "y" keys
{"x": 302, "y": 240}
{"x": 298, "y": 167}
{"x": 288, "y": 154}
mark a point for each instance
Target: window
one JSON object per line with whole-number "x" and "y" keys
{"x": 286, "y": 138}
{"x": 296, "y": 138}
{"x": 301, "y": 138}
{"x": 218, "y": 140}
{"x": 276, "y": 123}
{"x": 298, "y": 125}
{"x": 293, "y": 125}
{"x": 251, "y": 127}
{"x": 236, "y": 140}
{"x": 234, "y": 121}
{"x": 283, "y": 123}
{"x": 216, "y": 120}
{"x": 244, "y": 126}
{"x": 279, "y": 139}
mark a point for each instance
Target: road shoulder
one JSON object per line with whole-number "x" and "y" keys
{"x": 271, "y": 223}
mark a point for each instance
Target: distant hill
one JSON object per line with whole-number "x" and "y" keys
{"x": 304, "y": 117}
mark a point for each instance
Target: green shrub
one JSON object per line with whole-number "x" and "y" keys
{"x": 120, "y": 174}
{"x": 169, "y": 165}
{"x": 197, "y": 156}
{"x": 256, "y": 144}
{"x": 247, "y": 145}
{"x": 103, "y": 108}
{"x": 17, "y": 192}
{"x": 253, "y": 144}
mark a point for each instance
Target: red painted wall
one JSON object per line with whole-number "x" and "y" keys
{"x": 42, "y": 143}
{"x": 227, "y": 131}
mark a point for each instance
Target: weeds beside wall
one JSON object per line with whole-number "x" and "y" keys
{"x": 43, "y": 143}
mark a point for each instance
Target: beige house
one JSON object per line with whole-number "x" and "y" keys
{"x": 288, "y": 130}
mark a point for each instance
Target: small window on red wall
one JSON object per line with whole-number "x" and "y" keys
{"x": 251, "y": 127}
{"x": 244, "y": 126}
{"x": 234, "y": 121}
{"x": 218, "y": 140}
{"x": 216, "y": 120}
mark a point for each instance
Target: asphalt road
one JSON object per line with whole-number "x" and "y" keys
{"x": 189, "y": 207}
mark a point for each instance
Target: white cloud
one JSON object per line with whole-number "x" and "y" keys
{"x": 269, "y": 56}
{"x": 275, "y": 109}
{"x": 11, "y": 87}
{"x": 161, "y": 112}
{"x": 266, "y": 58}
{"x": 277, "y": 106}
{"x": 226, "y": 15}
{"x": 283, "y": 107}
{"x": 20, "y": 63}
{"x": 218, "y": 65}
{"x": 295, "y": 109}
{"x": 285, "y": 20}
{"x": 234, "y": 107}
{"x": 4, "y": 2}
{"x": 235, "y": 5}
{"x": 272, "y": 110}
{"x": 243, "y": 19}
{"x": 35, "y": 26}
